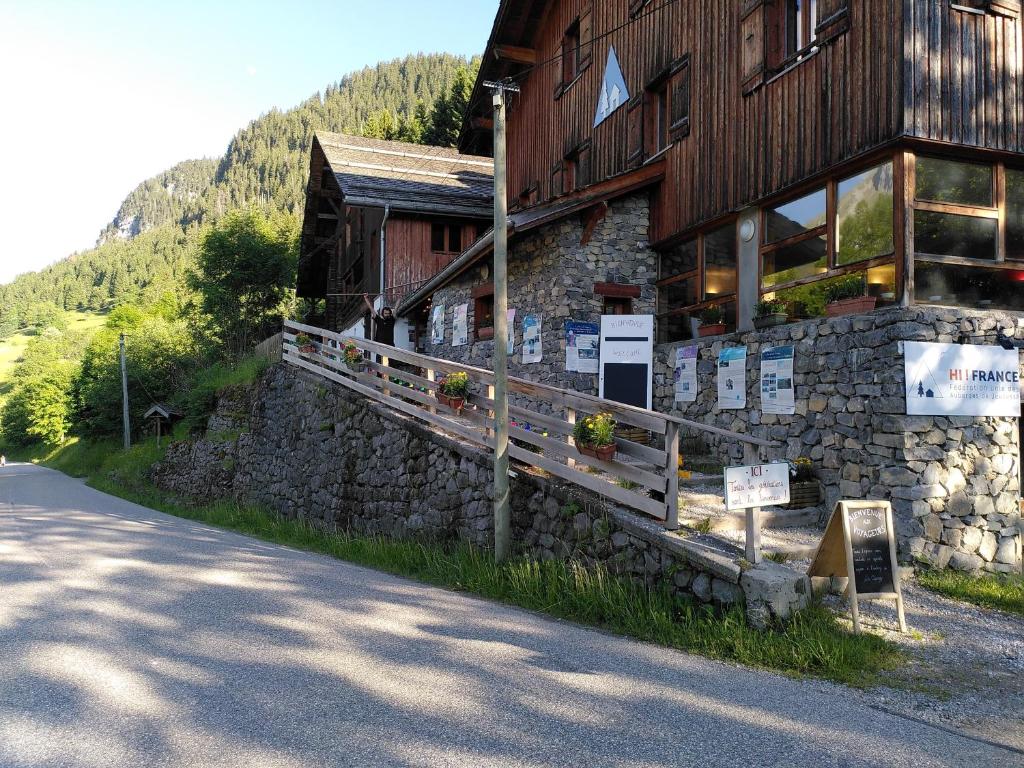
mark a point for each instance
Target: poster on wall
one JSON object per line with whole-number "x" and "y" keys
{"x": 460, "y": 326}
{"x": 582, "y": 345}
{"x": 627, "y": 359}
{"x": 732, "y": 378}
{"x": 511, "y": 315}
{"x": 777, "y": 394}
{"x": 532, "y": 352}
{"x": 685, "y": 375}
{"x": 961, "y": 379}
{"x": 437, "y": 324}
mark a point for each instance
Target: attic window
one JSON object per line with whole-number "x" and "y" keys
{"x": 445, "y": 238}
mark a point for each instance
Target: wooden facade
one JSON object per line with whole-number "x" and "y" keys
{"x": 759, "y": 120}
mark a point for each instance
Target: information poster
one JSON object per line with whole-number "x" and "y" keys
{"x": 460, "y": 326}
{"x": 685, "y": 376}
{"x": 511, "y": 315}
{"x": 437, "y": 324}
{"x": 732, "y": 378}
{"x": 777, "y": 394}
{"x": 762, "y": 485}
{"x": 582, "y": 346}
{"x": 961, "y": 379}
{"x": 532, "y": 352}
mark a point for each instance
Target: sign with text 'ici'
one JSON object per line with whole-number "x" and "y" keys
{"x": 961, "y": 379}
{"x": 761, "y": 485}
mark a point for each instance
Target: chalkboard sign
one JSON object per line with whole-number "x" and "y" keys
{"x": 626, "y": 383}
{"x": 859, "y": 543}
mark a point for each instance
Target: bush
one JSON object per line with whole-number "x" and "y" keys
{"x": 200, "y": 398}
{"x": 767, "y": 307}
{"x": 711, "y": 316}
{"x": 847, "y": 287}
{"x": 597, "y": 430}
{"x": 454, "y": 384}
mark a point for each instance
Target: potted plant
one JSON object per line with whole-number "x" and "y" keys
{"x": 305, "y": 344}
{"x": 769, "y": 312}
{"x": 804, "y": 489}
{"x": 353, "y": 357}
{"x": 711, "y": 322}
{"x": 847, "y": 296}
{"x": 595, "y": 436}
{"x": 452, "y": 390}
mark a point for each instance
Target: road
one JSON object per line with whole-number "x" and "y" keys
{"x": 132, "y": 638}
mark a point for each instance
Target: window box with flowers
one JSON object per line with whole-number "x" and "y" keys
{"x": 305, "y": 344}
{"x": 848, "y": 296}
{"x": 769, "y": 312}
{"x": 595, "y": 436}
{"x": 452, "y": 390}
{"x": 711, "y": 322}
{"x": 353, "y": 357}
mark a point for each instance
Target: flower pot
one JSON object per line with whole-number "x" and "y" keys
{"x": 602, "y": 452}
{"x": 455, "y": 403}
{"x": 767, "y": 321}
{"x": 357, "y": 367}
{"x": 307, "y": 349}
{"x": 803, "y": 493}
{"x": 851, "y": 306}
{"x": 711, "y": 330}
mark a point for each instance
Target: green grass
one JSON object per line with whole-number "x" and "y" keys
{"x": 1004, "y": 592}
{"x": 12, "y": 347}
{"x": 813, "y": 643}
{"x": 201, "y": 399}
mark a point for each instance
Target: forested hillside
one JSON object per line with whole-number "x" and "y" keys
{"x": 145, "y": 248}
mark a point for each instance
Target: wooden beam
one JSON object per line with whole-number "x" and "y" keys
{"x": 515, "y": 53}
{"x": 594, "y": 217}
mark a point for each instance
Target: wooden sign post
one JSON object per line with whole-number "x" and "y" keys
{"x": 860, "y": 543}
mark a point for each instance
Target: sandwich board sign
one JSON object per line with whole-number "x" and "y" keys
{"x": 860, "y": 543}
{"x": 627, "y": 359}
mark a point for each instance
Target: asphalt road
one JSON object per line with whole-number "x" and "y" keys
{"x": 131, "y": 638}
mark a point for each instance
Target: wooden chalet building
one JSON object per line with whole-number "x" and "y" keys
{"x": 665, "y": 158}
{"x": 382, "y": 217}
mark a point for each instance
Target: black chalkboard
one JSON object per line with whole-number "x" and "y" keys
{"x": 869, "y": 542}
{"x": 626, "y": 383}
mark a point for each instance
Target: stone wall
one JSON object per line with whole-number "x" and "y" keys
{"x": 953, "y": 481}
{"x": 314, "y": 451}
{"x": 552, "y": 273}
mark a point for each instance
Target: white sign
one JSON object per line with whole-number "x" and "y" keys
{"x": 437, "y": 324}
{"x": 686, "y": 375}
{"x": 460, "y": 326}
{"x": 627, "y": 359}
{"x": 614, "y": 92}
{"x": 532, "y": 348}
{"x": 761, "y": 485}
{"x": 511, "y": 319}
{"x": 777, "y": 380}
{"x": 961, "y": 379}
{"x": 732, "y": 378}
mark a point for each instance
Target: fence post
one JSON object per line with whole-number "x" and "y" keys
{"x": 385, "y": 361}
{"x": 431, "y": 377}
{"x": 672, "y": 475}
{"x": 490, "y": 411}
{"x": 570, "y": 417}
{"x": 751, "y": 456}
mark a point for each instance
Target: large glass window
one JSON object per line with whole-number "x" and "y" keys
{"x": 693, "y": 276}
{"x": 795, "y": 217}
{"x": 795, "y": 240}
{"x": 952, "y": 234}
{"x": 969, "y": 286}
{"x": 1014, "y": 214}
{"x": 720, "y": 262}
{"x": 949, "y": 181}
{"x": 864, "y": 215}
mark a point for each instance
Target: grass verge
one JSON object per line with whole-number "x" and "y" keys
{"x": 1004, "y": 592}
{"x": 812, "y": 643}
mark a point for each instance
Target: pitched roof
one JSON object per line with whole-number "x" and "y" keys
{"x": 409, "y": 177}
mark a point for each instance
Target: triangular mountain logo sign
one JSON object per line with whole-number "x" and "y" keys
{"x": 613, "y": 89}
{"x": 923, "y": 383}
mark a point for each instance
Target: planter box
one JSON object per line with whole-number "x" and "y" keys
{"x": 307, "y": 349}
{"x": 711, "y": 330}
{"x": 356, "y": 367}
{"x": 455, "y": 403}
{"x": 806, "y": 493}
{"x": 767, "y": 321}
{"x": 851, "y": 306}
{"x": 602, "y": 452}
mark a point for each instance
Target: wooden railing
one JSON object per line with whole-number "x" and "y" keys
{"x": 642, "y": 477}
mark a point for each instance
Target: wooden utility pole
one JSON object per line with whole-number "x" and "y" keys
{"x": 502, "y": 515}
{"x": 124, "y": 399}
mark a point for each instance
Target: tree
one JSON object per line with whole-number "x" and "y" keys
{"x": 449, "y": 110}
{"x": 245, "y": 273}
{"x": 381, "y": 125}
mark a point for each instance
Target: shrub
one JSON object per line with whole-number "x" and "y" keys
{"x": 848, "y": 287}
{"x": 769, "y": 307}
{"x": 454, "y": 384}
{"x": 596, "y": 430}
{"x": 302, "y": 340}
{"x": 711, "y": 316}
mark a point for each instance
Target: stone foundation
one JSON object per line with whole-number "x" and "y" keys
{"x": 314, "y": 451}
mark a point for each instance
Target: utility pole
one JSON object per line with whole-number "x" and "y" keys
{"x": 124, "y": 399}
{"x": 502, "y": 516}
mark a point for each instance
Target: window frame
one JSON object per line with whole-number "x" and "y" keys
{"x": 446, "y": 227}
{"x": 480, "y": 296}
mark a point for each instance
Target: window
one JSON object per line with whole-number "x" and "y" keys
{"x": 843, "y": 227}
{"x": 617, "y": 305}
{"x": 576, "y": 169}
{"x": 617, "y": 298}
{"x": 445, "y": 238}
{"x": 800, "y": 21}
{"x": 962, "y": 255}
{"x": 571, "y": 53}
{"x": 437, "y": 237}
{"x": 658, "y": 128}
{"x": 455, "y": 238}
{"x": 697, "y": 274}
{"x": 483, "y": 312}
{"x": 667, "y": 107}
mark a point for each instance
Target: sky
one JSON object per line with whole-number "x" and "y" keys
{"x": 96, "y": 97}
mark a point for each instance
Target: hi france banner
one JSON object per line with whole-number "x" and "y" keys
{"x": 437, "y": 324}
{"x": 582, "y": 347}
{"x": 777, "y": 395}
{"x": 532, "y": 351}
{"x": 732, "y": 378}
{"x": 685, "y": 376}
{"x": 961, "y": 379}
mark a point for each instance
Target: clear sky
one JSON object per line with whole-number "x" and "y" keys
{"x": 98, "y": 96}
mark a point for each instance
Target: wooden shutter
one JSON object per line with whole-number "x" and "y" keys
{"x": 1010, "y": 8}
{"x": 679, "y": 98}
{"x": 833, "y": 20}
{"x": 556, "y": 179}
{"x": 752, "y": 45}
{"x": 586, "y": 35}
{"x": 635, "y": 131}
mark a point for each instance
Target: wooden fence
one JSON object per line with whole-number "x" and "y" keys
{"x": 642, "y": 477}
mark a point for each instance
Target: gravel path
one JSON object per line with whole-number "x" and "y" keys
{"x": 131, "y": 638}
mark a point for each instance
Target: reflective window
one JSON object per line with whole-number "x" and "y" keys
{"x": 794, "y": 262}
{"x": 864, "y": 216}
{"x": 950, "y": 181}
{"x": 795, "y": 217}
{"x": 977, "y": 287}
{"x": 681, "y": 293}
{"x": 720, "y": 262}
{"x": 950, "y": 234}
{"x": 1014, "y": 214}
{"x": 680, "y": 260}
{"x": 679, "y": 327}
